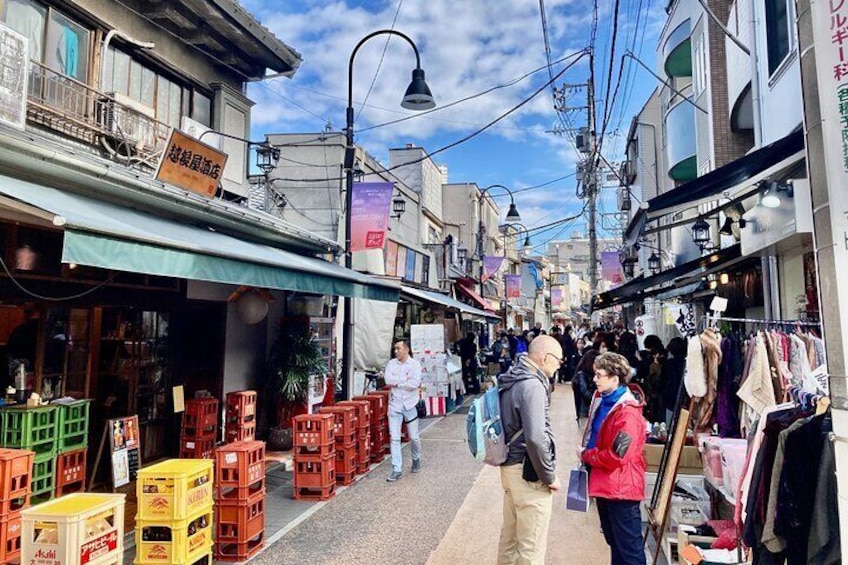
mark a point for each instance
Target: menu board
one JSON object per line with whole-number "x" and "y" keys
{"x": 124, "y": 449}
{"x": 427, "y": 338}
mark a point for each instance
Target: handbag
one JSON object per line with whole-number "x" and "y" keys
{"x": 578, "y": 490}
{"x": 421, "y": 408}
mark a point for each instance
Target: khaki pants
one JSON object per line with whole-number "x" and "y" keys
{"x": 526, "y": 517}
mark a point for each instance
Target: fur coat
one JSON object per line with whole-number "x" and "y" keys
{"x": 711, "y": 349}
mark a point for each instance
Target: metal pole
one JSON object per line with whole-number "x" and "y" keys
{"x": 591, "y": 184}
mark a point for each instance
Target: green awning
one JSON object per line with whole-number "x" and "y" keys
{"x": 100, "y": 234}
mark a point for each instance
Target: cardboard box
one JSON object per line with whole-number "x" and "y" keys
{"x": 690, "y": 459}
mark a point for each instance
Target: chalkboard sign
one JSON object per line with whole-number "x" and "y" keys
{"x": 124, "y": 449}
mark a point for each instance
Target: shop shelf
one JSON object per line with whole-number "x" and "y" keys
{"x": 174, "y": 543}
{"x": 345, "y": 419}
{"x": 10, "y": 538}
{"x": 70, "y": 467}
{"x": 15, "y": 472}
{"x": 314, "y": 474}
{"x": 240, "y": 432}
{"x": 200, "y": 413}
{"x": 176, "y": 489}
{"x": 33, "y": 429}
{"x": 309, "y": 493}
{"x": 193, "y": 448}
{"x": 363, "y": 412}
{"x": 241, "y": 406}
{"x": 73, "y": 425}
{"x": 313, "y": 430}
{"x": 239, "y": 464}
{"x": 239, "y": 521}
{"x": 77, "y": 529}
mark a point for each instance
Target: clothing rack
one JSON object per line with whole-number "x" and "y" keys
{"x": 763, "y": 321}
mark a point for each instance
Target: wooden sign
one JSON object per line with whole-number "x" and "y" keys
{"x": 192, "y": 165}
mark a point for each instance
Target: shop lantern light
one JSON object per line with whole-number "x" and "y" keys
{"x": 727, "y": 227}
{"x": 654, "y": 263}
{"x": 701, "y": 234}
{"x": 267, "y": 157}
{"x": 712, "y": 281}
{"x": 724, "y": 278}
{"x": 628, "y": 267}
{"x": 771, "y": 197}
{"x": 461, "y": 253}
{"x": 398, "y": 207}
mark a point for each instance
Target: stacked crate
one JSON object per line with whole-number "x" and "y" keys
{"x": 34, "y": 429}
{"x": 363, "y": 433}
{"x": 345, "y": 438}
{"x": 314, "y": 457}
{"x": 72, "y": 447}
{"x": 77, "y": 529}
{"x": 379, "y": 425}
{"x": 240, "y": 416}
{"x": 200, "y": 426}
{"x": 15, "y": 469}
{"x": 174, "y": 523}
{"x": 239, "y": 500}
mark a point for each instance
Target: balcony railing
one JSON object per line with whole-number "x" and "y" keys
{"x": 68, "y": 106}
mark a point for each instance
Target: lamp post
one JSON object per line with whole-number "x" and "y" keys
{"x": 526, "y": 248}
{"x": 266, "y": 159}
{"x": 511, "y": 216}
{"x": 417, "y": 97}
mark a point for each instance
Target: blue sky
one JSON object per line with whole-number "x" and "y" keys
{"x": 466, "y": 47}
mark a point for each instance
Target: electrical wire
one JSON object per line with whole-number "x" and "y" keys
{"x": 28, "y": 292}
{"x": 382, "y": 57}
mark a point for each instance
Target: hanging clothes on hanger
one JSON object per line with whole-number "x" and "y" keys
{"x": 711, "y": 350}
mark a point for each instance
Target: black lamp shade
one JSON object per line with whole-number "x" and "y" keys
{"x": 654, "y": 263}
{"x": 512, "y": 216}
{"x": 528, "y": 246}
{"x": 727, "y": 227}
{"x": 701, "y": 233}
{"x": 627, "y": 266}
{"x": 418, "y": 95}
{"x": 461, "y": 253}
{"x": 398, "y": 206}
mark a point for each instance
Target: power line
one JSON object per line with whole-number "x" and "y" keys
{"x": 382, "y": 57}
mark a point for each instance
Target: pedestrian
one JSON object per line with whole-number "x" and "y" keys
{"x": 612, "y": 449}
{"x": 528, "y": 476}
{"x": 583, "y": 384}
{"x": 403, "y": 376}
{"x": 503, "y": 352}
{"x": 468, "y": 355}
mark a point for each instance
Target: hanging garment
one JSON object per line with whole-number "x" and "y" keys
{"x": 695, "y": 380}
{"x": 799, "y": 363}
{"x": 824, "y": 546}
{"x": 712, "y": 359}
{"x": 758, "y": 390}
{"x": 726, "y": 410}
{"x": 774, "y": 367}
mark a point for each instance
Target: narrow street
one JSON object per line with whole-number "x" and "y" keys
{"x": 449, "y": 513}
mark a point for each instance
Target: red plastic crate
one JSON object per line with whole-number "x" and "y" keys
{"x": 312, "y": 430}
{"x": 15, "y": 473}
{"x": 345, "y": 479}
{"x": 379, "y": 407}
{"x": 239, "y": 521}
{"x": 206, "y": 432}
{"x": 239, "y": 470}
{"x": 10, "y": 538}
{"x": 240, "y": 432}
{"x": 191, "y": 448}
{"x": 200, "y": 413}
{"x": 70, "y": 467}
{"x": 345, "y": 459}
{"x": 239, "y": 552}
{"x": 345, "y": 419}
{"x": 325, "y": 493}
{"x": 70, "y": 488}
{"x": 314, "y": 453}
{"x": 314, "y": 474}
{"x": 241, "y": 406}
{"x": 363, "y": 412}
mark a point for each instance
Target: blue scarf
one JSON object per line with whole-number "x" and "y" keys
{"x": 608, "y": 400}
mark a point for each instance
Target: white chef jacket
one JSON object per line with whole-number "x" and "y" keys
{"x": 408, "y": 378}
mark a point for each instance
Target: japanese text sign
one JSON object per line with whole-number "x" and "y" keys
{"x": 513, "y": 286}
{"x": 369, "y": 215}
{"x": 191, "y": 165}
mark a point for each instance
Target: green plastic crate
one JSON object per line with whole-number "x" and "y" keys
{"x": 43, "y": 478}
{"x": 73, "y": 426}
{"x": 29, "y": 428}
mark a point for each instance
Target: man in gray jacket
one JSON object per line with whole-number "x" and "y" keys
{"x": 529, "y": 474}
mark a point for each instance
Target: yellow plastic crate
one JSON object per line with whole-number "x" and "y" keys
{"x": 176, "y": 489}
{"x": 76, "y": 529}
{"x": 173, "y": 543}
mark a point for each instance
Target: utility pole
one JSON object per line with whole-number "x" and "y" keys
{"x": 590, "y": 179}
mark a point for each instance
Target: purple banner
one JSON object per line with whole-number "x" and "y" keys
{"x": 491, "y": 265}
{"x": 369, "y": 214}
{"x": 556, "y": 297}
{"x": 513, "y": 286}
{"x": 611, "y": 268}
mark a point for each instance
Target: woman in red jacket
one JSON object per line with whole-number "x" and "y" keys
{"x": 612, "y": 449}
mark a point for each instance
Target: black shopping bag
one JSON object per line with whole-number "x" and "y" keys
{"x": 578, "y": 490}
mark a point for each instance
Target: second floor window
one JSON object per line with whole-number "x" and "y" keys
{"x": 778, "y": 35}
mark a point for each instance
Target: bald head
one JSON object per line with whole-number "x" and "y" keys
{"x": 546, "y": 352}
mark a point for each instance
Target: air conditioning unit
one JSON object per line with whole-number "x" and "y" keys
{"x": 129, "y": 120}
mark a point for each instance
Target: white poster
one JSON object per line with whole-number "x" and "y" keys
{"x": 14, "y": 73}
{"x": 121, "y": 467}
{"x": 426, "y": 339}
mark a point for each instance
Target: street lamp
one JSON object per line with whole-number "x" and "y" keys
{"x": 701, "y": 234}
{"x": 416, "y": 97}
{"x": 654, "y": 263}
{"x": 267, "y": 157}
{"x": 512, "y": 216}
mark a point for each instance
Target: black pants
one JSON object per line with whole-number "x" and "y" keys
{"x": 622, "y": 527}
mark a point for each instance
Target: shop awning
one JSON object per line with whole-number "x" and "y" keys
{"x": 644, "y": 287}
{"x": 737, "y": 178}
{"x": 100, "y": 234}
{"x": 476, "y": 298}
{"x": 444, "y": 300}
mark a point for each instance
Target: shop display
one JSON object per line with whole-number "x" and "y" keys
{"x": 239, "y": 500}
{"x": 77, "y": 529}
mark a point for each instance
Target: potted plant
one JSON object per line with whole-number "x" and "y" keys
{"x": 294, "y": 358}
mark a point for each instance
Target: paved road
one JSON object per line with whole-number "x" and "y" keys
{"x": 450, "y": 513}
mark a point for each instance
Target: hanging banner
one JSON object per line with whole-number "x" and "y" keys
{"x": 513, "y": 286}
{"x": 369, "y": 214}
{"x": 14, "y": 60}
{"x": 537, "y": 278}
{"x": 409, "y": 275}
{"x": 556, "y": 297}
{"x": 491, "y": 265}
{"x": 611, "y": 268}
{"x": 391, "y": 258}
{"x": 401, "y": 261}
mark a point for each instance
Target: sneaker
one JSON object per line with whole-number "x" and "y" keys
{"x": 394, "y": 476}
{"x": 416, "y": 465}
